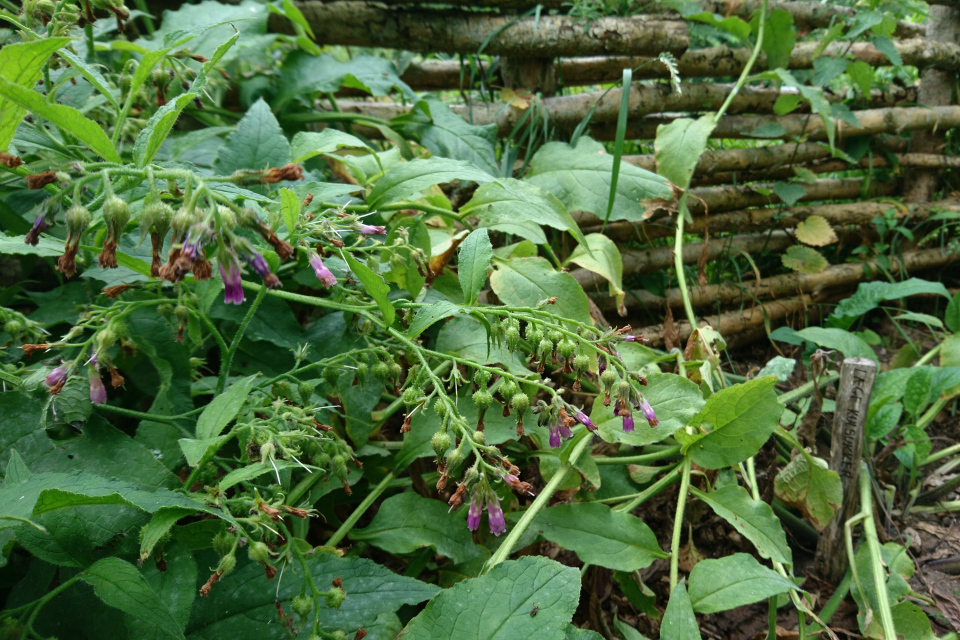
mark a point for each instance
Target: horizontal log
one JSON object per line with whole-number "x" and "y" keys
{"x": 374, "y": 25}
{"x": 850, "y": 213}
{"x": 789, "y": 284}
{"x": 872, "y": 122}
{"x": 714, "y": 200}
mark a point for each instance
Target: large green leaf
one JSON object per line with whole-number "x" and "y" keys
{"x": 67, "y": 118}
{"x": 733, "y": 425}
{"x": 733, "y": 581}
{"x": 243, "y": 604}
{"x": 675, "y": 399}
{"x": 580, "y": 177}
{"x": 604, "y": 259}
{"x": 600, "y": 536}
{"x": 526, "y": 282}
{"x": 375, "y": 286}
{"x": 809, "y": 485}
{"x": 121, "y": 586}
{"x": 779, "y": 37}
{"x": 679, "y": 621}
{"x": 467, "y": 337}
{"x": 448, "y": 135}
{"x": 428, "y": 315}
{"x": 475, "y": 254}
{"x": 304, "y": 74}
{"x": 224, "y": 408}
{"x": 506, "y": 201}
{"x": 92, "y": 74}
{"x": 176, "y": 587}
{"x": 850, "y": 345}
{"x": 21, "y": 63}
{"x": 870, "y": 294}
{"x": 408, "y": 522}
{"x": 158, "y": 128}
{"x": 753, "y": 519}
{"x": 307, "y": 144}
{"x": 498, "y": 605}
{"x": 257, "y": 143}
{"x": 409, "y": 178}
{"x": 679, "y": 146}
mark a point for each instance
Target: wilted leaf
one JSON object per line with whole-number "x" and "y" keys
{"x": 809, "y": 485}
{"x": 804, "y": 260}
{"x": 816, "y": 231}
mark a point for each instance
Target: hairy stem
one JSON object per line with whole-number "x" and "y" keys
{"x": 235, "y": 344}
{"x": 678, "y": 523}
{"x": 344, "y": 529}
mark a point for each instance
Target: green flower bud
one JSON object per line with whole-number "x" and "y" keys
{"x": 394, "y": 370}
{"x": 165, "y": 309}
{"x": 306, "y": 389}
{"x": 362, "y": 370}
{"x": 483, "y": 399}
{"x": 381, "y": 371}
{"x": 454, "y": 459}
{"x": 607, "y": 378}
{"x": 412, "y": 395}
{"x": 182, "y": 312}
{"x": 156, "y": 218}
{"x": 565, "y": 348}
{"x": 554, "y": 335}
{"x": 479, "y": 438}
{"x": 440, "y": 442}
{"x": 227, "y": 564}
{"x": 227, "y": 217}
{"x": 77, "y": 217}
{"x": 281, "y": 389}
{"x": 330, "y": 376}
{"x": 267, "y": 451}
{"x": 334, "y": 597}
{"x": 223, "y": 543}
{"x": 544, "y": 348}
{"x": 533, "y": 334}
{"x": 513, "y": 338}
{"x": 623, "y": 389}
{"x": 481, "y": 377}
{"x": 302, "y": 605}
{"x": 508, "y": 389}
{"x": 259, "y": 552}
{"x": 520, "y": 402}
{"x": 116, "y": 213}
{"x": 581, "y": 363}
{"x": 440, "y": 408}
{"x": 321, "y": 459}
{"x": 13, "y": 327}
{"x": 339, "y": 466}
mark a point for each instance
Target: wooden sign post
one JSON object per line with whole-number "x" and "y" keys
{"x": 846, "y": 450}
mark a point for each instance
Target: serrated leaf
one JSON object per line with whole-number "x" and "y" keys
{"x": 733, "y": 581}
{"x": 807, "y": 484}
{"x": 448, "y": 135}
{"x": 870, "y": 294}
{"x": 679, "y": 146}
{"x": 580, "y": 178}
{"x": 525, "y": 282}
{"x": 161, "y": 523}
{"x": 498, "y": 604}
{"x": 92, "y": 74}
{"x": 176, "y": 587}
{"x": 604, "y": 259}
{"x": 600, "y": 536}
{"x": 158, "y": 128}
{"x": 789, "y": 192}
{"x": 375, "y": 286}
{"x": 409, "y": 178}
{"x": 754, "y": 520}
{"x": 307, "y": 144}
{"x": 816, "y": 231}
{"x": 121, "y": 586}
{"x": 506, "y": 201}
{"x": 473, "y": 264}
{"x": 428, "y": 315}
{"x": 779, "y": 37}
{"x": 407, "y": 522}
{"x": 224, "y": 408}
{"x": 82, "y": 128}
{"x": 679, "y": 621}
{"x": 804, "y": 260}
{"x": 258, "y": 143}
{"x": 289, "y": 208}
{"x": 21, "y": 63}
{"x": 733, "y": 425}
{"x": 304, "y": 74}
{"x": 849, "y": 345}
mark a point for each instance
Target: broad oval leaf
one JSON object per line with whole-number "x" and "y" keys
{"x": 675, "y": 399}
{"x": 604, "y": 259}
{"x": 871, "y": 294}
{"x": 426, "y": 316}
{"x": 375, "y": 286}
{"x": 849, "y": 345}
{"x": 733, "y": 581}
{"x": 755, "y": 520}
{"x": 679, "y": 621}
{"x": 804, "y": 260}
{"x": 224, "y": 408}
{"x": 580, "y": 177}
{"x": 408, "y": 522}
{"x": 498, "y": 604}
{"x": 21, "y": 63}
{"x": 466, "y": 336}
{"x": 258, "y": 143}
{"x": 679, "y": 146}
{"x": 408, "y": 178}
{"x": 733, "y": 425}
{"x": 600, "y": 536}
{"x": 307, "y": 144}
{"x": 158, "y": 127}
{"x": 816, "y": 231}
{"x": 526, "y": 282}
{"x": 448, "y": 135}
{"x": 475, "y": 254}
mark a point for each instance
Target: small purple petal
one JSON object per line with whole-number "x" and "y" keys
{"x": 98, "y": 393}
{"x": 565, "y": 431}
{"x": 495, "y": 515}
{"x": 258, "y": 263}
{"x": 555, "y": 439}
{"x": 232, "y": 287}
{"x": 371, "y": 230}
{"x": 628, "y": 423}
{"x": 649, "y": 413}
{"x": 56, "y": 376}
{"x": 473, "y": 515}
{"x": 584, "y": 420}
{"x": 323, "y": 274}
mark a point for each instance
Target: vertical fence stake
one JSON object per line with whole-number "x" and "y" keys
{"x": 846, "y": 450}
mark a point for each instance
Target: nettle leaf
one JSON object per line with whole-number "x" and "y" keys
{"x": 375, "y": 286}
{"x": 809, "y": 485}
{"x": 600, "y": 536}
{"x": 428, "y": 315}
{"x": 789, "y": 192}
{"x": 448, "y": 135}
{"x": 732, "y": 25}
{"x": 120, "y": 585}
{"x": 733, "y": 581}
{"x": 779, "y": 37}
{"x": 869, "y": 295}
{"x": 408, "y": 522}
{"x": 307, "y": 144}
{"x": 849, "y": 345}
{"x": 406, "y": 179}
{"x": 679, "y": 146}
{"x": 224, "y": 408}
{"x": 604, "y": 259}
{"x": 580, "y": 177}
{"x": 675, "y": 399}
{"x": 754, "y": 520}
{"x": 679, "y": 621}
{"x": 816, "y": 231}
{"x": 176, "y": 587}
{"x": 526, "y": 282}
{"x": 161, "y": 523}
{"x": 82, "y": 128}
{"x": 245, "y": 606}
{"x": 498, "y": 604}
{"x": 804, "y": 260}
{"x": 257, "y": 143}
{"x": 475, "y": 254}
{"x": 158, "y": 128}
{"x": 733, "y": 425}
{"x": 91, "y": 73}
{"x": 21, "y": 63}
{"x": 506, "y": 201}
